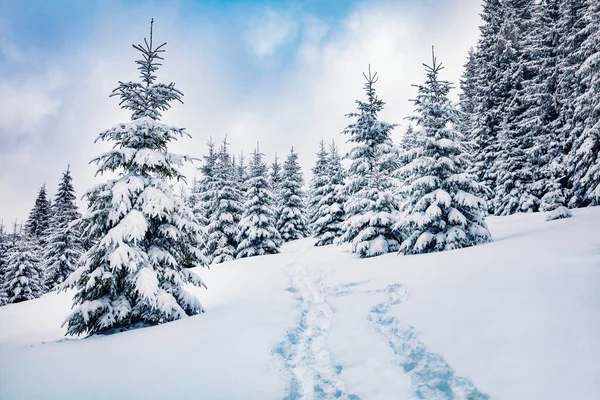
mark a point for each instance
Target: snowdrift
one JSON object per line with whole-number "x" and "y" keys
{"x": 518, "y": 318}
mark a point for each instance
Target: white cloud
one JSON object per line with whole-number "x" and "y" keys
{"x": 269, "y": 31}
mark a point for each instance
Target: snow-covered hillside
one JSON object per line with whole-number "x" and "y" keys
{"x": 515, "y": 319}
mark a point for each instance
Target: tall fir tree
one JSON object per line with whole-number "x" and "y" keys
{"x": 327, "y": 226}
{"x": 64, "y": 246}
{"x": 4, "y": 249}
{"x": 39, "y": 218}
{"x": 371, "y": 207}
{"x": 24, "y": 276}
{"x": 292, "y": 223}
{"x": 441, "y": 207}
{"x": 318, "y": 182}
{"x": 226, "y": 210}
{"x": 585, "y": 154}
{"x": 144, "y": 238}
{"x": 514, "y": 169}
{"x": 257, "y": 232}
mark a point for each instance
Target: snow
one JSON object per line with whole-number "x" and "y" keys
{"x": 514, "y": 319}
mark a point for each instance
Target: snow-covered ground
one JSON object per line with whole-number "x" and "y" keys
{"x": 515, "y": 319}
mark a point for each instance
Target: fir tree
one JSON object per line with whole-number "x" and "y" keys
{"x": 330, "y": 216}
{"x": 317, "y": 184}
{"x": 275, "y": 177}
{"x": 24, "y": 276}
{"x": 39, "y": 218}
{"x": 226, "y": 210}
{"x": 4, "y": 249}
{"x": 441, "y": 208}
{"x": 257, "y": 233}
{"x": 64, "y": 247}
{"x": 585, "y": 154}
{"x": 144, "y": 238}
{"x": 372, "y": 208}
{"x": 292, "y": 223}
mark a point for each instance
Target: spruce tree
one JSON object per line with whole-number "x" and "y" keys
{"x": 24, "y": 276}
{"x": 585, "y": 154}
{"x": 64, "y": 247}
{"x": 330, "y": 215}
{"x": 257, "y": 232}
{"x": 292, "y": 223}
{"x": 4, "y": 249}
{"x": 226, "y": 210}
{"x": 371, "y": 207}
{"x": 441, "y": 207}
{"x": 318, "y": 182}
{"x": 39, "y": 218}
{"x": 144, "y": 238}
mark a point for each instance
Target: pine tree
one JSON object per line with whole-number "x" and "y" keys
{"x": 330, "y": 216}
{"x": 226, "y": 210}
{"x": 64, "y": 247}
{"x": 144, "y": 238}
{"x": 585, "y": 154}
{"x": 275, "y": 177}
{"x": 318, "y": 182}
{"x": 4, "y": 249}
{"x": 371, "y": 207}
{"x": 39, "y": 218}
{"x": 441, "y": 208}
{"x": 257, "y": 233}
{"x": 24, "y": 276}
{"x": 468, "y": 92}
{"x": 292, "y": 223}
{"x": 241, "y": 173}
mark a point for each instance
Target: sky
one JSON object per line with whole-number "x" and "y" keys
{"x": 280, "y": 73}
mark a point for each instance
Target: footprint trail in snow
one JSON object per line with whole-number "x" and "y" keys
{"x": 305, "y": 350}
{"x": 431, "y": 376}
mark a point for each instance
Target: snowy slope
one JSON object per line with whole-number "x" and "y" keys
{"x": 515, "y": 319}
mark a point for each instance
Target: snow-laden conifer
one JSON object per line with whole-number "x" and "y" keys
{"x": 226, "y": 210}
{"x": 585, "y": 154}
{"x": 257, "y": 232}
{"x": 292, "y": 223}
{"x": 4, "y": 248}
{"x": 63, "y": 244}
{"x": 144, "y": 238}
{"x": 39, "y": 218}
{"x": 330, "y": 215}
{"x": 24, "y": 276}
{"x": 372, "y": 206}
{"x": 318, "y": 182}
{"x": 441, "y": 207}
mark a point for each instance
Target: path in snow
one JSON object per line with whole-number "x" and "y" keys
{"x": 305, "y": 350}
{"x": 430, "y": 374}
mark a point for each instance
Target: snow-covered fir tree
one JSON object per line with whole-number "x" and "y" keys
{"x": 63, "y": 245}
{"x": 330, "y": 215}
{"x": 292, "y": 223}
{"x": 275, "y": 175}
{"x": 4, "y": 248}
{"x": 585, "y": 154}
{"x": 241, "y": 173}
{"x": 24, "y": 275}
{"x": 144, "y": 238}
{"x": 441, "y": 208}
{"x": 318, "y": 182}
{"x": 226, "y": 210}
{"x": 39, "y": 218}
{"x": 371, "y": 207}
{"x": 258, "y": 234}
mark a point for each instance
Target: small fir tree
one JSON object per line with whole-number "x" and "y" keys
{"x": 24, "y": 277}
{"x": 318, "y": 182}
{"x": 441, "y": 209}
{"x": 64, "y": 246}
{"x": 330, "y": 216}
{"x": 226, "y": 210}
{"x": 257, "y": 233}
{"x": 371, "y": 207}
{"x": 144, "y": 238}
{"x": 39, "y": 218}
{"x": 292, "y": 223}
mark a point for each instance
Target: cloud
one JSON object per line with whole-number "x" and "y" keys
{"x": 283, "y": 76}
